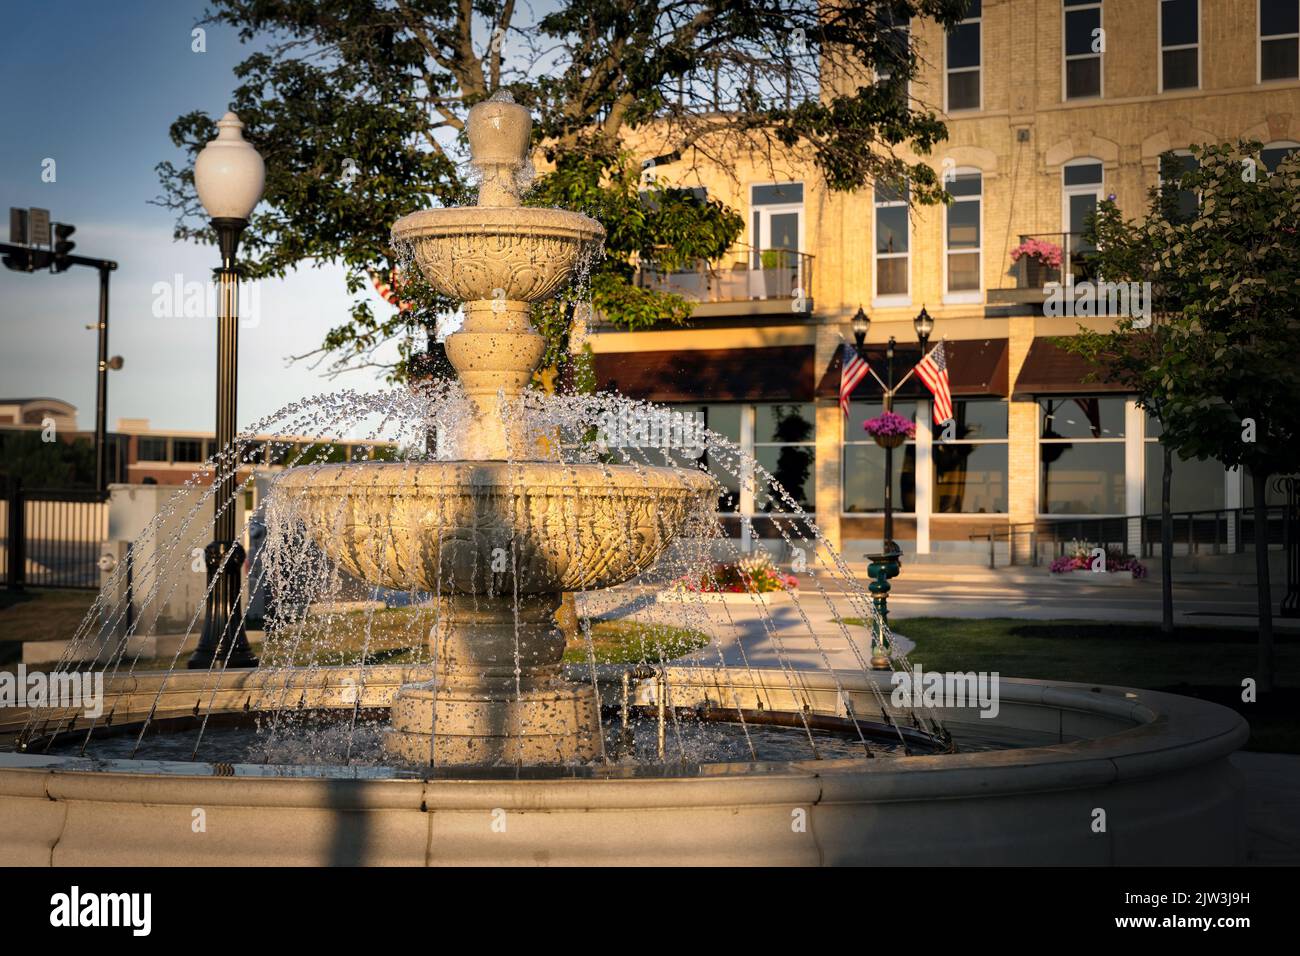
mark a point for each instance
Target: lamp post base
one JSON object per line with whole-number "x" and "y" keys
{"x": 223, "y": 643}
{"x": 883, "y": 566}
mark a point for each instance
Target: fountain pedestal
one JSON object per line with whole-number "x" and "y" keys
{"x": 497, "y": 695}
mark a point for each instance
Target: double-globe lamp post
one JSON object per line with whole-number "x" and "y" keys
{"x": 229, "y": 176}
{"x": 923, "y": 325}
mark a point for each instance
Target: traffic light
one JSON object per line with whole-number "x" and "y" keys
{"x": 63, "y": 246}
{"x": 27, "y": 260}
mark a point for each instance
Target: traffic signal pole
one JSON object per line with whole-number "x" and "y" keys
{"x": 101, "y": 390}
{"x": 29, "y": 259}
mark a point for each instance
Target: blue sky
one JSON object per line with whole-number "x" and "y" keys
{"x": 98, "y": 85}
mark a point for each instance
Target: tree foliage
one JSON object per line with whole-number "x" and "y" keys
{"x": 358, "y": 107}
{"x": 1218, "y": 364}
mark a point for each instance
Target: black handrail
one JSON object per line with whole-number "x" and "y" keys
{"x": 1224, "y": 526}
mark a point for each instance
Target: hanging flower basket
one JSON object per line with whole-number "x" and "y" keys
{"x": 889, "y": 429}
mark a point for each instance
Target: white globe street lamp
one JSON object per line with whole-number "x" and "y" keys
{"x": 229, "y": 176}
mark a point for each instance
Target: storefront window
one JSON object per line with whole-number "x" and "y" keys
{"x": 970, "y": 459}
{"x": 725, "y": 421}
{"x": 785, "y": 446}
{"x": 1195, "y": 486}
{"x": 1081, "y": 456}
{"x": 864, "y": 464}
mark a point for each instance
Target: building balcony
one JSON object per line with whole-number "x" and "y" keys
{"x": 1023, "y": 283}
{"x": 745, "y": 281}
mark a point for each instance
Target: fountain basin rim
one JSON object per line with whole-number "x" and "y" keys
{"x": 1167, "y": 777}
{"x": 1165, "y": 732}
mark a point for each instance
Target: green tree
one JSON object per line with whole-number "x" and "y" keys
{"x": 359, "y": 107}
{"x": 1137, "y": 351}
{"x": 1225, "y": 376}
{"x": 41, "y": 464}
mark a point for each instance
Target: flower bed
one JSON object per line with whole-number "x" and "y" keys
{"x": 754, "y": 574}
{"x": 1079, "y": 557}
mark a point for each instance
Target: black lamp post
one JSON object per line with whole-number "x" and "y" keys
{"x": 889, "y": 542}
{"x": 229, "y": 176}
{"x": 924, "y": 325}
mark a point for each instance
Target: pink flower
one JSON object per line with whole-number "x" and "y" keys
{"x": 1047, "y": 253}
{"x": 888, "y": 424}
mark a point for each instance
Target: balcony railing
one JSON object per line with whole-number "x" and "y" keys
{"x": 1024, "y": 281}
{"x": 744, "y": 274}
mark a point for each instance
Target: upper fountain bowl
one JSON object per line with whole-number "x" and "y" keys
{"x": 499, "y": 252}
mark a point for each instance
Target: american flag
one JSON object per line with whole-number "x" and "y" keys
{"x": 933, "y": 370}
{"x": 388, "y": 290}
{"x": 853, "y": 371}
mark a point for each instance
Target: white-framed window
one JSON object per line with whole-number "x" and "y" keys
{"x": 862, "y": 465}
{"x": 896, "y": 30}
{"x": 964, "y": 57}
{"x": 963, "y": 229}
{"x": 970, "y": 459}
{"x": 1197, "y": 485}
{"x": 782, "y": 436}
{"x": 785, "y": 445}
{"x": 1180, "y": 44}
{"x": 1274, "y": 153}
{"x": 1084, "y": 42}
{"x": 1081, "y": 191}
{"x": 1279, "y": 40}
{"x": 1081, "y": 455}
{"x": 893, "y": 234}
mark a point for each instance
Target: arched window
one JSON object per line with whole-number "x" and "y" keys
{"x": 962, "y": 234}
{"x": 1274, "y": 153}
{"x": 1180, "y": 204}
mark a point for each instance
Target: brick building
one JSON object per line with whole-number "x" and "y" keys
{"x": 1043, "y": 121}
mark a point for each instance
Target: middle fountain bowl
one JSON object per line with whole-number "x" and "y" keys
{"x": 489, "y": 527}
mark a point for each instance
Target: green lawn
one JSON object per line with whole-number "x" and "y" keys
{"x": 399, "y": 635}
{"x": 394, "y": 634}
{"x": 38, "y": 615}
{"x": 1204, "y": 662}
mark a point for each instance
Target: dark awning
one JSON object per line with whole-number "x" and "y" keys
{"x": 975, "y": 367}
{"x": 780, "y": 373}
{"x": 1050, "y": 370}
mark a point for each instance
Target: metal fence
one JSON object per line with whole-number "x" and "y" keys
{"x": 1216, "y": 531}
{"x": 52, "y": 537}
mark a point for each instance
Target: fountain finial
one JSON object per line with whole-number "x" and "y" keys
{"x": 499, "y": 134}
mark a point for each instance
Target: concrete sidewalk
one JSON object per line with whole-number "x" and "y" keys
{"x": 934, "y": 590}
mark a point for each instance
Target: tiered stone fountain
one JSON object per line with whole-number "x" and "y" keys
{"x": 499, "y": 534}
